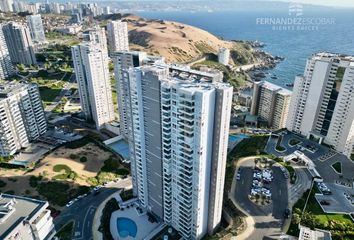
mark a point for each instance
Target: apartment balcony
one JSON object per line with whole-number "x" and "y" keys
{"x": 185, "y": 123}
{"x": 187, "y": 104}
{"x": 186, "y": 117}
{"x": 166, "y": 102}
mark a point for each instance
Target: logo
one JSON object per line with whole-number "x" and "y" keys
{"x": 295, "y": 21}
{"x": 295, "y": 9}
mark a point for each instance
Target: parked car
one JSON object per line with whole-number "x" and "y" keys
{"x": 238, "y": 177}
{"x": 324, "y": 202}
{"x": 69, "y": 203}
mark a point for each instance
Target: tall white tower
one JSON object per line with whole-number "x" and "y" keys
{"x": 178, "y": 144}
{"x": 92, "y": 75}
{"x": 6, "y": 67}
{"x": 19, "y": 43}
{"x": 36, "y": 28}
{"x": 322, "y": 104}
{"x": 118, "y": 39}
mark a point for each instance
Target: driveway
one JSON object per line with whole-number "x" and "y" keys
{"x": 268, "y": 220}
{"x": 82, "y": 212}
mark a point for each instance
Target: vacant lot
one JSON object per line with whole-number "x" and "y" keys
{"x": 72, "y": 169}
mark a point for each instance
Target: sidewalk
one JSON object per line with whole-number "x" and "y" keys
{"x": 97, "y": 235}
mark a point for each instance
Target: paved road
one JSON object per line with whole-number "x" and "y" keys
{"x": 269, "y": 220}
{"x": 82, "y": 212}
{"x": 302, "y": 183}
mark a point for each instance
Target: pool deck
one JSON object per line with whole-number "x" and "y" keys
{"x": 144, "y": 226}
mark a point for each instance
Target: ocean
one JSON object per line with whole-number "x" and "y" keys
{"x": 326, "y": 29}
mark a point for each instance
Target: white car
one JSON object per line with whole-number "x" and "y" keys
{"x": 268, "y": 195}
{"x": 69, "y": 203}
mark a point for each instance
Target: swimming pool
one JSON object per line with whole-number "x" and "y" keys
{"x": 236, "y": 138}
{"x": 121, "y": 147}
{"x": 126, "y": 227}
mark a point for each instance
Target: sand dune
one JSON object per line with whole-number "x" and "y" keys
{"x": 177, "y": 42}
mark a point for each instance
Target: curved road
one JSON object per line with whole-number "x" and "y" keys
{"x": 83, "y": 211}
{"x": 268, "y": 220}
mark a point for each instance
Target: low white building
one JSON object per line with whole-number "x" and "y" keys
{"x": 24, "y": 218}
{"x": 317, "y": 234}
{"x": 224, "y": 56}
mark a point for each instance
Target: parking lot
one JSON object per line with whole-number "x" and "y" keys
{"x": 322, "y": 156}
{"x": 339, "y": 201}
{"x": 340, "y": 185}
{"x": 269, "y": 219}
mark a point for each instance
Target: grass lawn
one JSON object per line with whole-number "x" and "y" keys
{"x": 67, "y": 175}
{"x": 49, "y": 94}
{"x": 338, "y": 167}
{"x": 315, "y": 217}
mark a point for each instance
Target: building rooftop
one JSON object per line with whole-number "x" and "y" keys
{"x": 274, "y": 87}
{"x": 317, "y": 234}
{"x": 10, "y": 88}
{"x": 16, "y": 209}
{"x": 328, "y": 56}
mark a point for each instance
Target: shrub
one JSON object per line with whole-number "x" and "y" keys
{"x": 110, "y": 165}
{"x": 73, "y": 156}
{"x": 104, "y": 228}
{"x": 60, "y": 193}
{"x": 33, "y": 181}
{"x": 103, "y": 177}
{"x": 83, "y": 159}
{"x": 122, "y": 171}
{"x": 2, "y": 183}
{"x": 55, "y": 192}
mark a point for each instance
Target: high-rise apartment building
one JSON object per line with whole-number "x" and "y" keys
{"x": 323, "y": 101}
{"x": 271, "y": 104}
{"x": 36, "y": 28}
{"x": 22, "y": 116}
{"x": 19, "y": 43}
{"x": 6, "y": 67}
{"x": 118, "y": 39}
{"x": 122, "y": 61}
{"x": 92, "y": 75}
{"x": 6, "y": 5}
{"x": 178, "y": 144}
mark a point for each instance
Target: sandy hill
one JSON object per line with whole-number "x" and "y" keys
{"x": 179, "y": 42}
